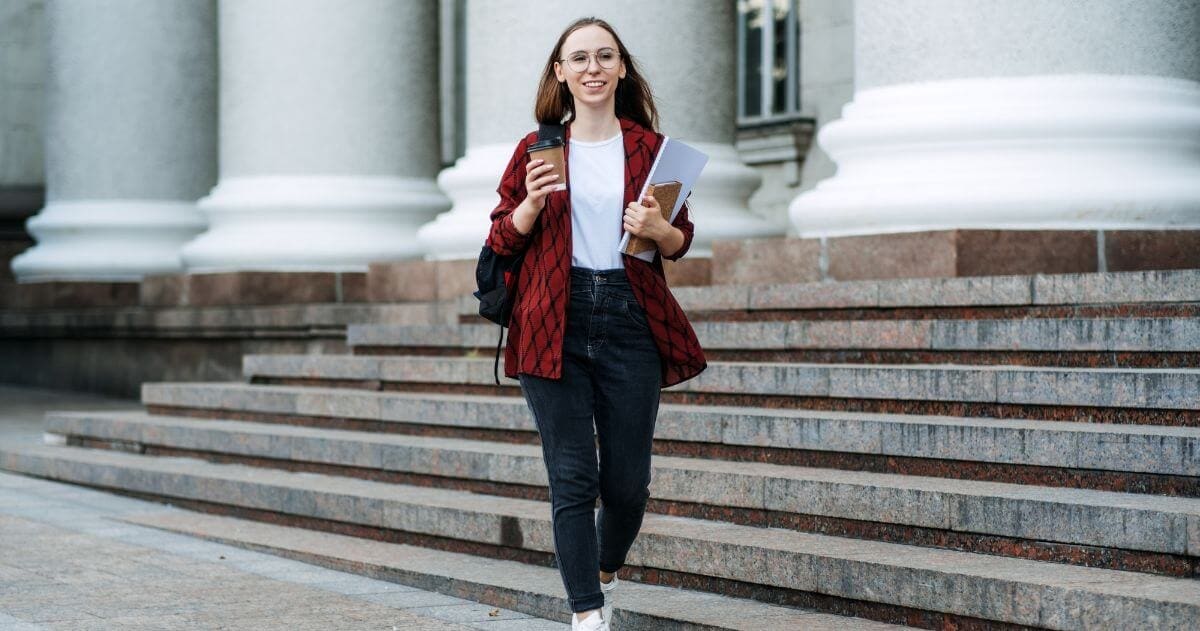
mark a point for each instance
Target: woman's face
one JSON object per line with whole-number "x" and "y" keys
{"x": 595, "y": 85}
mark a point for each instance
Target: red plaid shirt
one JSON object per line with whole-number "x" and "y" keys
{"x": 535, "y": 334}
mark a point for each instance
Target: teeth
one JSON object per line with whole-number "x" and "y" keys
{"x": 594, "y": 84}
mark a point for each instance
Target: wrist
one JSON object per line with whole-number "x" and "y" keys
{"x": 523, "y": 217}
{"x": 664, "y": 233}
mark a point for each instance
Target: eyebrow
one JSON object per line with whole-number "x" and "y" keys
{"x": 612, "y": 48}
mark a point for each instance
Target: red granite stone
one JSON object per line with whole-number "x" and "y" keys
{"x": 898, "y": 255}
{"x": 759, "y": 261}
{"x": 1133, "y": 250}
{"x": 402, "y": 281}
{"x": 260, "y": 288}
{"x": 1016, "y": 252}
{"x": 924, "y": 254}
{"x": 163, "y": 290}
{"x": 454, "y": 279}
{"x": 69, "y": 294}
{"x": 688, "y": 272}
{"x": 354, "y": 286}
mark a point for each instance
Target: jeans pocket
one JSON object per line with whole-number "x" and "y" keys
{"x": 636, "y": 314}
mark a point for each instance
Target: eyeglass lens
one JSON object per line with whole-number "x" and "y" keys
{"x": 606, "y": 57}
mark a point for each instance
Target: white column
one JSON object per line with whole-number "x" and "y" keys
{"x": 1015, "y": 114}
{"x": 130, "y": 138}
{"x": 685, "y": 49}
{"x": 22, "y": 116}
{"x": 329, "y": 135}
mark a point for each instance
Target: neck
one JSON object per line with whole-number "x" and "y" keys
{"x": 590, "y": 125}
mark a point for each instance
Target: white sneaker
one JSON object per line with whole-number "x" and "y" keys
{"x": 607, "y": 590}
{"x": 594, "y": 622}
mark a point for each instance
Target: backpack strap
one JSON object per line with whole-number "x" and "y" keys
{"x": 496, "y": 366}
{"x": 550, "y": 130}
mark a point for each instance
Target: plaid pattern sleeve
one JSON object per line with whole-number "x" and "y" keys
{"x": 684, "y": 223}
{"x": 504, "y": 237}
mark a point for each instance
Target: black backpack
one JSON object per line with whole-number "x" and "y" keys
{"x": 495, "y": 300}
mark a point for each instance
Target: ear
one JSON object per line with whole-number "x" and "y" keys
{"x": 622, "y": 74}
{"x": 558, "y": 73}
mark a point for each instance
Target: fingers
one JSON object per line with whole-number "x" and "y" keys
{"x": 632, "y": 221}
{"x": 543, "y": 181}
{"x": 539, "y": 169}
{"x": 539, "y": 176}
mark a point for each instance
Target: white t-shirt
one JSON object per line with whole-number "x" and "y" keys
{"x": 597, "y": 178}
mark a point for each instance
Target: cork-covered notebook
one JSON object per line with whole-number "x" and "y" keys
{"x": 665, "y": 194}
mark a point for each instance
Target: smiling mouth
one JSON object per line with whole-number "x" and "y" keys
{"x": 595, "y": 84}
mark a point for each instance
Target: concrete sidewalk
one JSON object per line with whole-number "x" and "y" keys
{"x": 68, "y": 561}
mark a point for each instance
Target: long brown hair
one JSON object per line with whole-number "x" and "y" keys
{"x": 634, "y": 99}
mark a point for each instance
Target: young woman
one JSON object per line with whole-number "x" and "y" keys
{"x": 594, "y": 333}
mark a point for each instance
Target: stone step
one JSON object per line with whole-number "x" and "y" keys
{"x": 1144, "y": 335}
{"x": 1091, "y": 528}
{"x": 1094, "y": 342}
{"x": 1145, "y": 294}
{"x": 1143, "y": 395}
{"x": 290, "y": 320}
{"x": 509, "y": 584}
{"x": 1133, "y": 458}
{"x": 939, "y": 588}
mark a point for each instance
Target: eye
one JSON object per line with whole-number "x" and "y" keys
{"x": 577, "y": 58}
{"x": 606, "y": 54}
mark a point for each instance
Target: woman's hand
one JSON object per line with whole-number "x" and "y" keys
{"x": 645, "y": 220}
{"x": 538, "y": 181}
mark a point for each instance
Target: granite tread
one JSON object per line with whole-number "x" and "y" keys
{"x": 1119, "y": 447}
{"x": 521, "y": 586}
{"x": 1027, "y": 334}
{"x": 989, "y": 587}
{"x": 1156, "y": 286}
{"x": 1077, "y": 516}
{"x": 1142, "y": 388}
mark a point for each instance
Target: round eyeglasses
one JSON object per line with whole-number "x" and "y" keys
{"x": 606, "y": 57}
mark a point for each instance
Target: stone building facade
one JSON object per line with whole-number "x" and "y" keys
{"x": 202, "y": 136}
{"x": 143, "y": 138}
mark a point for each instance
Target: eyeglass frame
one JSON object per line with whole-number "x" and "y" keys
{"x": 590, "y": 56}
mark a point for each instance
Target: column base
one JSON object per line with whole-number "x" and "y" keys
{"x": 471, "y": 184}
{"x": 312, "y": 223}
{"x": 1066, "y": 152}
{"x": 108, "y": 240}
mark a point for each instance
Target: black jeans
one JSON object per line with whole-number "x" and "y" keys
{"x": 611, "y": 374}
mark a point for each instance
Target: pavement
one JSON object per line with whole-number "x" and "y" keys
{"x": 69, "y": 561}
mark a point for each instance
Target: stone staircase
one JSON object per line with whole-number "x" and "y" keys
{"x": 969, "y": 453}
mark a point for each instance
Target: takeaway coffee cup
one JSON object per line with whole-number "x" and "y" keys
{"x": 551, "y": 150}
